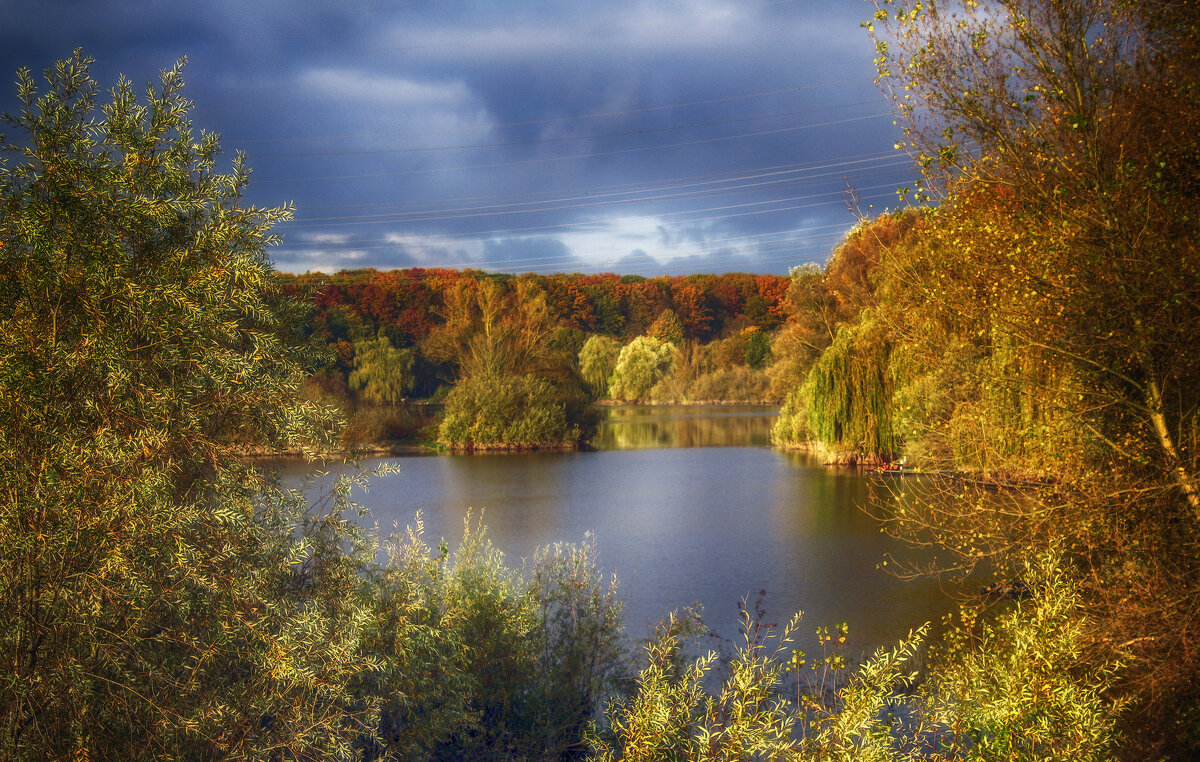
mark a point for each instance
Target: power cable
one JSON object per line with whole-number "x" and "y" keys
{"x": 596, "y": 154}
{"x": 884, "y": 159}
{"x": 557, "y": 139}
{"x": 548, "y": 120}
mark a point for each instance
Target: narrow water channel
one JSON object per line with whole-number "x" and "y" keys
{"x": 687, "y": 505}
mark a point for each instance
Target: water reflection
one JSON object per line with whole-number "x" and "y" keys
{"x": 680, "y": 523}
{"x": 631, "y": 427}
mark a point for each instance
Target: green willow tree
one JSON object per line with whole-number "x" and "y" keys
{"x": 846, "y": 401}
{"x": 597, "y": 358}
{"x": 383, "y": 372}
{"x": 158, "y": 598}
{"x": 641, "y": 364}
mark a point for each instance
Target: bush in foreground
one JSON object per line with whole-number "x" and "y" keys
{"x": 478, "y": 660}
{"x": 1013, "y": 689}
{"x": 158, "y": 597}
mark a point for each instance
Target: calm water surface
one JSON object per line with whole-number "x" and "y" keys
{"x": 686, "y": 505}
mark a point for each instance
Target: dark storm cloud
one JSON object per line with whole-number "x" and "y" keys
{"x": 520, "y": 136}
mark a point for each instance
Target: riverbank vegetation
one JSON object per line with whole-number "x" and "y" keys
{"x": 1038, "y": 324}
{"x": 162, "y": 598}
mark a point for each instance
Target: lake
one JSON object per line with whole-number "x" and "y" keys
{"x": 687, "y": 504}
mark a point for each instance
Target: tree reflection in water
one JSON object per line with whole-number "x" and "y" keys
{"x": 638, "y": 427}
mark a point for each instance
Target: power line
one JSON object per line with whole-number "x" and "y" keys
{"x": 576, "y": 225}
{"x": 597, "y": 154}
{"x": 558, "y": 139}
{"x": 669, "y": 214}
{"x": 548, "y": 120}
{"x": 446, "y": 240}
{"x": 466, "y": 213}
{"x": 884, "y": 159}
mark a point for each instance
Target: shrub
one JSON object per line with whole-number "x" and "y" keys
{"x": 738, "y": 384}
{"x": 1018, "y": 688}
{"x": 477, "y": 660}
{"x": 1013, "y": 689}
{"x": 370, "y": 426}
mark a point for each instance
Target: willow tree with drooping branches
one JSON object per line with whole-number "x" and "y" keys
{"x": 1057, "y": 137}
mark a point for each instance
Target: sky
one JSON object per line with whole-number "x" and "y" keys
{"x": 631, "y": 136}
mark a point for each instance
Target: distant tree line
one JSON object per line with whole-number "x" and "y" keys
{"x": 417, "y": 307}
{"x": 514, "y": 357}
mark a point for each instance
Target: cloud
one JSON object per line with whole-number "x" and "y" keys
{"x": 529, "y": 254}
{"x": 387, "y": 123}
{"x": 436, "y": 250}
{"x": 403, "y": 112}
{"x": 575, "y": 30}
{"x": 322, "y": 260}
{"x": 325, "y": 238}
{"x": 637, "y": 262}
{"x": 353, "y": 85}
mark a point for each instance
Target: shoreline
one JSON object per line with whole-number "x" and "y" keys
{"x": 677, "y": 403}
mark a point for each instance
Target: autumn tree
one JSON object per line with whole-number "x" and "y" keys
{"x": 514, "y": 387}
{"x": 158, "y": 597}
{"x": 1059, "y": 134}
{"x": 1058, "y": 137}
{"x": 667, "y": 327}
{"x": 489, "y": 328}
{"x": 692, "y": 306}
{"x": 816, "y": 315}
